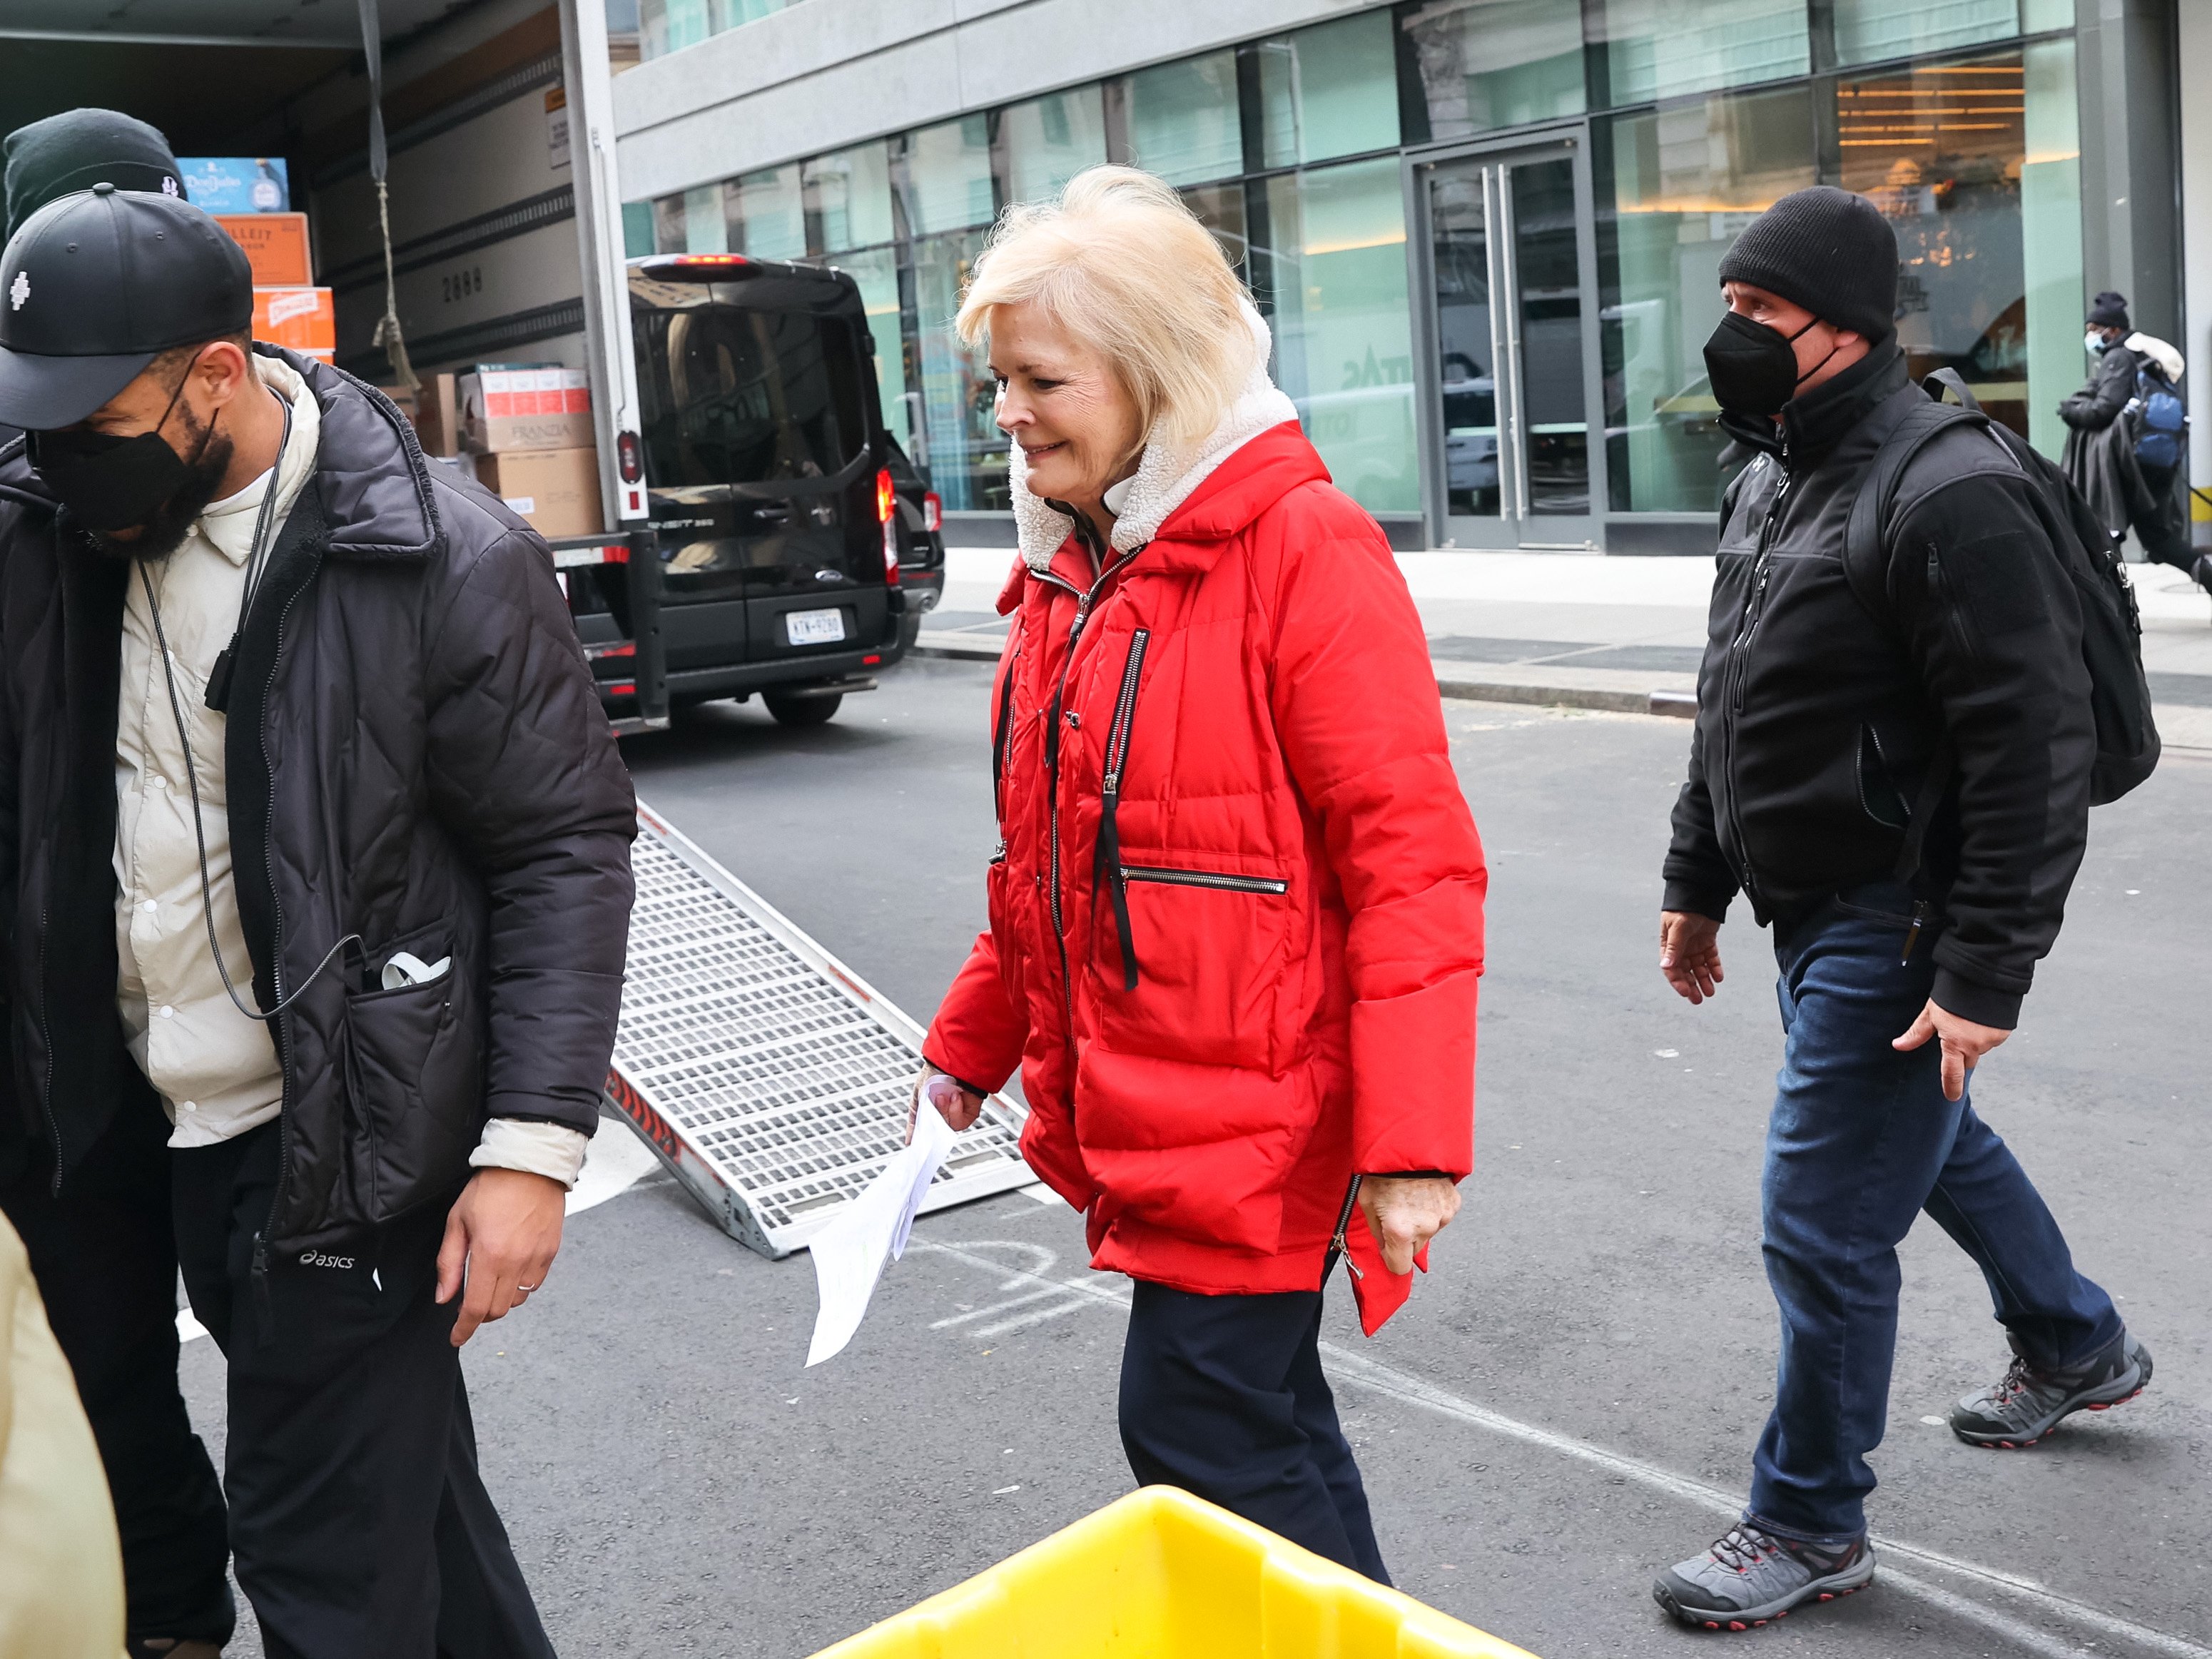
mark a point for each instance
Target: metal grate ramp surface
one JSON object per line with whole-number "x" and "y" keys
{"x": 769, "y": 1077}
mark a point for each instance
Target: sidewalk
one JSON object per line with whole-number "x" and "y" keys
{"x": 1590, "y": 632}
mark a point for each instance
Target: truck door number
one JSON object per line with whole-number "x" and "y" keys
{"x": 460, "y": 284}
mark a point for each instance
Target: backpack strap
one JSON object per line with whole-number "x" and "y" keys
{"x": 1909, "y": 420}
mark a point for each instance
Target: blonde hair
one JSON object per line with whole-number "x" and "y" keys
{"x": 1123, "y": 265}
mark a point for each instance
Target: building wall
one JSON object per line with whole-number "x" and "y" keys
{"x": 826, "y": 72}
{"x": 2195, "y": 66}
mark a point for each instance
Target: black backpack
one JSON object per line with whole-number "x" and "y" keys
{"x": 2112, "y": 624}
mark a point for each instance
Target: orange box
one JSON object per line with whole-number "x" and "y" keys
{"x": 276, "y": 245}
{"x": 303, "y": 319}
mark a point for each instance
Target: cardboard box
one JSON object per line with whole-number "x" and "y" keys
{"x": 301, "y": 317}
{"x": 437, "y": 415}
{"x": 557, "y": 490}
{"x": 276, "y": 245}
{"x": 526, "y": 409}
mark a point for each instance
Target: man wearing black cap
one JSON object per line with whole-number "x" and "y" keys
{"x": 2129, "y": 489}
{"x": 102, "y": 1246}
{"x": 74, "y": 151}
{"x": 310, "y": 824}
{"x": 1826, "y": 727}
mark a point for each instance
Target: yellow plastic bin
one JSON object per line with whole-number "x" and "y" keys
{"x": 1161, "y": 1575}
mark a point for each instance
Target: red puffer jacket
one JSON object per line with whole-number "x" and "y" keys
{"x": 1237, "y": 922}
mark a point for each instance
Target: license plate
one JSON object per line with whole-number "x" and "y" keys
{"x": 814, "y": 627}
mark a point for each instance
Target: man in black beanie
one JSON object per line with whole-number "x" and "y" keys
{"x": 1901, "y": 788}
{"x": 101, "y": 1242}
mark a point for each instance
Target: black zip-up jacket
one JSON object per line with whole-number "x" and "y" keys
{"x": 1818, "y": 718}
{"x": 2099, "y": 403}
{"x": 414, "y": 753}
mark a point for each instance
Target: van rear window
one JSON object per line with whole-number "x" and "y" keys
{"x": 730, "y": 395}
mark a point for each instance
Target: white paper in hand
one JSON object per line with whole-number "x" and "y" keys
{"x": 850, "y": 1252}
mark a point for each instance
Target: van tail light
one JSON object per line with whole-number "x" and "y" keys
{"x": 890, "y": 553}
{"x": 933, "y": 513}
{"x": 886, "y": 497}
{"x": 629, "y": 458}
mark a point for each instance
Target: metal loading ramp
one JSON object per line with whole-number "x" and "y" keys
{"x": 770, "y": 1077}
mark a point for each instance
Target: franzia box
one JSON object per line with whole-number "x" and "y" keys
{"x": 504, "y": 408}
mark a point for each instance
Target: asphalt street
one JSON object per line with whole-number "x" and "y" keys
{"x": 1568, "y": 1402}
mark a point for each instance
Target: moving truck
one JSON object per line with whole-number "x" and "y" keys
{"x": 702, "y": 445}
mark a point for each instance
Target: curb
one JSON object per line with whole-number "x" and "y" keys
{"x": 1609, "y": 692}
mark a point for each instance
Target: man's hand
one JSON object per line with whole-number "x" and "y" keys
{"x": 1405, "y": 1213}
{"x": 955, "y": 1104}
{"x": 501, "y": 1236}
{"x": 1689, "y": 953}
{"x": 1964, "y": 1043}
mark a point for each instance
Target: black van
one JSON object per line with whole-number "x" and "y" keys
{"x": 769, "y": 479}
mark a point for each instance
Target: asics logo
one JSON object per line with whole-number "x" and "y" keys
{"x": 316, "y": 1259}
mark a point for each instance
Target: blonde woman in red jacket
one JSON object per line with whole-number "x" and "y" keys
{"x": 1236, "y": 913}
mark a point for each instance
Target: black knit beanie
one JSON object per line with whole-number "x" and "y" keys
{"x": 2109, "y": 310}
{"x": 1827, "y": 250}
{"x": 79, "y": 149}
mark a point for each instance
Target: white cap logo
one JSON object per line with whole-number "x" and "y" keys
{"x": 169, "y": 186}
{"x": 20, "y": 291}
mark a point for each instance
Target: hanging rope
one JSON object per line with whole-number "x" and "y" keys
{"x": 387, "y": 327}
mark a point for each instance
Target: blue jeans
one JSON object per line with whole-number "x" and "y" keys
{"x": 1861, "y": 1142}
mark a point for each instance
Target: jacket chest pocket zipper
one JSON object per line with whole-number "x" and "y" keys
{"x": 1220, "y": 881}
{"x": 1110, "y": 801}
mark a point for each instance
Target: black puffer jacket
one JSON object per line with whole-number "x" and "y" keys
{"x": 414, "y": 753}
{"x": 1818, "y": 719}
{"x": 2099, "y": 403}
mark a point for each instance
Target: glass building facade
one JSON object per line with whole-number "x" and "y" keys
{"x": 1487, "y": 233}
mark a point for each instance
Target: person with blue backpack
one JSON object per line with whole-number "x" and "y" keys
{"x": 1919, "y": 677}
{"x": 2128, "y": 435}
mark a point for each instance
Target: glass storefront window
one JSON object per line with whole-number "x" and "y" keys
{"x": 1940, "y": 150}
{"x": 2051, "y": 238}
{"x": 876, "y": 271}
{"x": 1871, "y": 31}
{"x": 1335, "y": 252}
{"x": 1183, "y": 120}
{"x": 666, "y": 25}
{"x": 1651, "y": 49}
{"x": 848, "y": 196}
{"x": 698, "y": 222}
{"x": 766, "y": 214}
{"x": 1674, "y": 188}
{"x": 637, "y": 229}
{"x": 967, "y": 453}
{"x": 668, "y": 224}
{"x": 948, "y": 176}
{"x": 1328, "y": 91}
{"x": 1049, "y": 140}
{"x": 1489, "y": 63}
{"x": 1220, "y": 209}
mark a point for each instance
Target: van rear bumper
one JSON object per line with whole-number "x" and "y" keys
{"x": 737, "y": 678}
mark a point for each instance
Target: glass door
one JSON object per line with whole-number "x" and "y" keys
{"x": 1510, "y": 256}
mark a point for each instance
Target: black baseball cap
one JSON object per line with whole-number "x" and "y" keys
{"x": 95, "y": 285}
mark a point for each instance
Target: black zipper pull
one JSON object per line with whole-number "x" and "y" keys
{"x": 1337, "y": 1246}
{"x": 265, "y": 1321}
{"x": 1912, "y": 931}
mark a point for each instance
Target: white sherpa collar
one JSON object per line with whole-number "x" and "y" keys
{"x": 1165, "y": 476}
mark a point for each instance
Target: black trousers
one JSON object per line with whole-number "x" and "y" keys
{"x": 1223, "y": 1396}
{"x": 359, "y": 1526}
{"x": 106, "y": 1266}
{"x": 2165, "y": 533}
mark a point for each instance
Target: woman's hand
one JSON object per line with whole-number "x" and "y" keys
{"x": 1404, "y": 1212}
{"x": 956, "y": 1105}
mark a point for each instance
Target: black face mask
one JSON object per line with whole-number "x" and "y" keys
{"x": 1751, "y": 366}
{"x": 110, "y": 482}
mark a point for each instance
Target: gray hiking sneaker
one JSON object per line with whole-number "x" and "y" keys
{"x": 1751, "y": 1577}
{"x": 2028, "y": 1402}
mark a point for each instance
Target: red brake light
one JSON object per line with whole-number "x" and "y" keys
{"x": 933, "y": 513}
{"x": 886, "y": 496}
{"x": 629, "y": 457}
{"x": 711, "y": 259}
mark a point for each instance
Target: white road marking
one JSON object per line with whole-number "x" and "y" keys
{"x": 618, "y": 1160}
{"x": 996, "y": 1307}
{"x": 188, "y": 1327}
{"x": 1353, "y": 1367}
